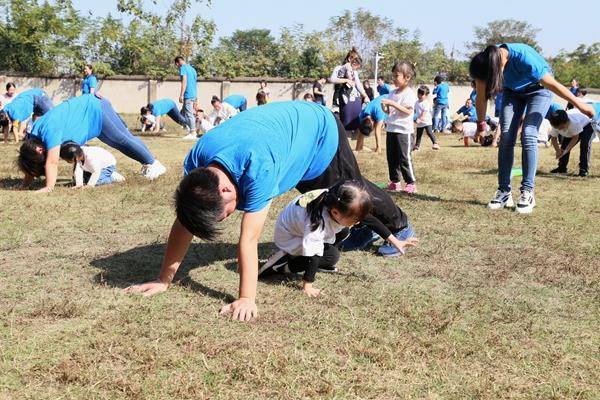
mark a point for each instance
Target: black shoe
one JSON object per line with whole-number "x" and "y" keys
{"x": 558, "y": 171}
{"x": 582, "y": 173}
{"x": 276, "y": 263}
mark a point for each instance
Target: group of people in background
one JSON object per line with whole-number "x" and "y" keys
{"x": 246, "y": 158}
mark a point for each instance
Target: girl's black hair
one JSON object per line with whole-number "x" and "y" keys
{"x": 438, "y": 79}
{"x": 261, "y": 98}
{"x": 423, "y": 90}
{"x": 486, "y": 66}
{"x": 405, "y": 68}
{"x": 558, "y": 117}
{"x": 353, "y": 57}
{"x": 30, "y": 161}
{"x": 9, "y": 85}
{"x": 348, "y": 197}
{"x": 214, "y": 99}
{"x": 70, "y": 151}
{"x": 144, "y": 110}
{"x": 198, "y": 203}
{"x": 4, "y": 120}
{"x": 90, "y": 66}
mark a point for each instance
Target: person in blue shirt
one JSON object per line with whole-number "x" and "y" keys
{"x": 32, "y": 102}
{"x": 382, "y": 87}
{"x": 158, "y": 108}
{"x": 440, "y": 104}
{"x": 527, "y": 82}
{"x": 188, "y": 94}
{"x": 89, "y": 83}
{"x": 238, "y": 101}
{"x": 372, "y": 118}
{"x": 79, "y": 119}
{"x": 247, "y": 161}
{"x": 468, "y": 111}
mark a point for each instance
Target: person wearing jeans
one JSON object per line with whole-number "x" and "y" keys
{"x": 80, "y": 119}
{"x": 526, "y": 80}
{"x": 188, "y": 94}
{"x": 440, "y": 104}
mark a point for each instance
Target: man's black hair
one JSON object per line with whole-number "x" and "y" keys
{"x": 366, "y": 126}
{"x": 558, "y": 117}
{"x": 30, "y": 161}
{"x": 198, "y": 203}
{"x": 179, "y": 58}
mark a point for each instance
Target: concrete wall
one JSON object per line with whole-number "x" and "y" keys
{"x": 129, "y": 93}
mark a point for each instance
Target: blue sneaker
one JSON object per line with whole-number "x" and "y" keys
{"x": 387, "y": 250}
{"x": 360, "y": 237}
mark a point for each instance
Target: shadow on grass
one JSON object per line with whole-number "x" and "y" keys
{"x": 437, "y": 199}
{"x": 15, "y": 183}
{"x": 142, "y": 264}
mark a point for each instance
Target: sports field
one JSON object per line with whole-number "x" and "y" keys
{"x": 491, "y": 305}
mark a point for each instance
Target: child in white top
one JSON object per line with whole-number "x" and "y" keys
{"x": 306, "y": 231}
{"x": 575, "y": 127}
{"x": 424, "y": 118}
{"x": 221, "y": 111}
{"x": 400, "y": 127}
{"x": 93, "y": 166}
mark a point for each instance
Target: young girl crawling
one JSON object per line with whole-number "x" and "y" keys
{"x": 93, "y": 166}
{"x": 307, "y": 231}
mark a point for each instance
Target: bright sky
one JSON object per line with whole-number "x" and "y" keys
{"x": 563, "y": 24}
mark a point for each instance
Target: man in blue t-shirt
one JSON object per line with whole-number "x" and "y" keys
{"x": 468, "y": 111}
{"x": 188, "y": 94}
{"x": 382, "y": 87}
{"x": 440, "y": 104}
{"x": 372, "y": 118}
{"x": 247, "y": 161}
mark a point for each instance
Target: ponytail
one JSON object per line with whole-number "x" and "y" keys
{"x": 486, "y": 66}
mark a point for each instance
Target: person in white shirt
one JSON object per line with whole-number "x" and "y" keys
{"x": 424, "y": 118}
{"x": 307, "y": 231}
{"x": 575, "y": 127}
{"x": 221, "y": 111}
{"x": 93, "y": 166}
{"x": 400, "y": 128}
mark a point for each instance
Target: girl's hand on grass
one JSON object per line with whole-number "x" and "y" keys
{"x": 148, "y": 288}
{"x": 242, "y": 309}
{"x": 404, "y": 244}
{"x": 44, "y": 190}
{"x": 311, "y": 291}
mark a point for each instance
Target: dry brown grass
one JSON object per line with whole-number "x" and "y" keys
{"x": 492, "y": 305}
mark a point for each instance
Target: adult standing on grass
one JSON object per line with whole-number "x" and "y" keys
{"x": 188, "y": 94}
{"x": 319, "y": 90}
{"x": 246, "y": 162}
{"x": 89, "y": 83}
{"x": 527, "y": 82}
{"x": 79, "y": 119}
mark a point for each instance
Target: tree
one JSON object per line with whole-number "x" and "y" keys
{"x": 503, "y": 31}
{"x": 39, "y": 38}
{"x": 582, "y": 63}
{"x": 252, "y": 52}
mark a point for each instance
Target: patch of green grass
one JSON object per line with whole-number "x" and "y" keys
{"x": 491, "y": 305}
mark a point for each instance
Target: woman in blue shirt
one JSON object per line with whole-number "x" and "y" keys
{"x": 89, "y": 83}
{"x": 24, "y": 106}
{"x": 79, "y": 119}
{"x": 161, "y": 107}
{"x": 527, "y": 82}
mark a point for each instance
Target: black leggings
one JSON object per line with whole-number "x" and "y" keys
{"x": 585, "y": 149}
{"x": 420, "y": 135}
{"x": 386, "y": 218}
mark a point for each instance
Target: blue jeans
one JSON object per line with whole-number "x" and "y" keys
{"x": 115, "y": 134}
{"x": 188, "y": 112}
{"x": 105, "y": 176}
{"x": 406, "y": 233}
{"x": 438, "y": 124}
{"x": 537, "y": 101}
{"x": 176, "y": 116}
{"x": 42, "y": 104}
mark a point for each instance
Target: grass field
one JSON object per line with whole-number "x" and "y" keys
{"x": 491, "y": 305}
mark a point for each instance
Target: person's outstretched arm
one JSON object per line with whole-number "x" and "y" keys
{"x": 51, "y": 169}
{"x": 177, "y": 246}
{"x": 244, "y": 308}
{"x": 560, "y": 90}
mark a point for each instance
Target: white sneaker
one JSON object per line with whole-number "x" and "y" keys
{"x": 190, "y": 136}
{"x": 154, "y": 170}
{"x": 500, "y": 200}
{"x": 117, "y": 177}
{"x": 526, "y": 202}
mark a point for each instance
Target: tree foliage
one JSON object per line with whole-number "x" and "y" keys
{"x": 583, "y": 63}
{"x": 504, "y": 31}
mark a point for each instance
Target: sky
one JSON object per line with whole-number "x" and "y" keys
{"x": 449, "y": 22}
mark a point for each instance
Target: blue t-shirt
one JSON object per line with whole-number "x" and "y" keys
{"x": 384, "y": 89}
{"x": 441, "y": 93}
{"x": 525, "y": 67}
{"x": 374, "y": 110}
{"x": 268, "y": 150}
{"x": 78, "y": 119}
{"x": 88, "y": 83}
{"x": 21, "y": 107}
{"x": 468, "y": 112}
{"x": 162, "y": 106}
{"x": 235, "y": 100}
{"x": 473, "y": 95}
{"x": 192, "y": 78}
